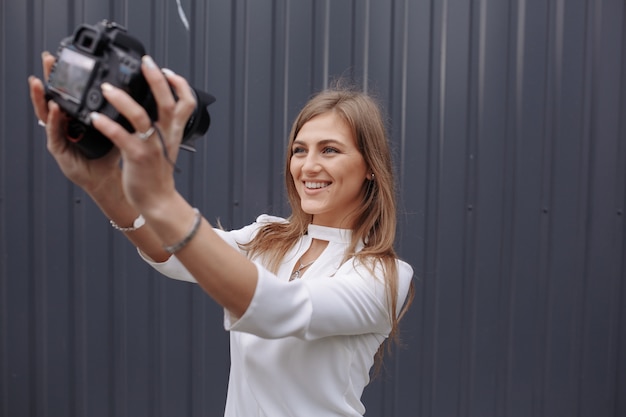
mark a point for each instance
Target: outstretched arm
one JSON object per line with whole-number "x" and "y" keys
{"x": 148, "y": 183}
{"x": 143, "y": 183}
{"x": 100, "y": 178}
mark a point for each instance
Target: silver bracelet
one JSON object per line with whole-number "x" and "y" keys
{"x": 139, "y": 221}
{"x": 172, "y": 249}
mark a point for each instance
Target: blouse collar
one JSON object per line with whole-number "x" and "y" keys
{"x": 330, "y": 234}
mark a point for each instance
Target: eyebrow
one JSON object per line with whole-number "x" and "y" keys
{"x": 321, "y": 142}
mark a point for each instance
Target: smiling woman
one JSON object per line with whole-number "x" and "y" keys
{"x": 328, "y": 171}
{"x": 339, "y": 174}
{"x": 308, "y": 300}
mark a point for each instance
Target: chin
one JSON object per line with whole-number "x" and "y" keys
{"x": 312, "y": 211}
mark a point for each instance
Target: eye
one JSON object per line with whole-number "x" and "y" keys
{"x": 330, "y": 149}
{"x": 297, "y": 149}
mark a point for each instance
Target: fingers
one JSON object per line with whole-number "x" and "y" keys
{"x": 56, "y": 143}
{"x": 37, "y": 90}
{"x": 175, "y": 103}
{"x": 127, "y": 107}
{"x": 186, "y": 97}
{"x": 120, "y": 137}
{"x": 37, "y": 98}
{"x": 160, "y": 88}
{"x": 48, "y": 112}
{"x": 132, "y": 145}
{"x": 173, "y": 110}
{"x": 47, "y": 60}
{"x": 174, "y": 98}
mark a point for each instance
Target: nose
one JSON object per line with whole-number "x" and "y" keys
{"x": 311, "y": 163}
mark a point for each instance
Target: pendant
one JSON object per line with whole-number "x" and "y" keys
{"x": 296, "y": 274}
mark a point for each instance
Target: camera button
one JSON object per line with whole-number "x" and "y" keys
{"x": 94, "y": 99}
{"x": 104, "y": 70}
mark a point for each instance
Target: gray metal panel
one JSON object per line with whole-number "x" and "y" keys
{"x": 507, "y": 123}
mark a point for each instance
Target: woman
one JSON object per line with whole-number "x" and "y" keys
{"x": 308, "y": 300}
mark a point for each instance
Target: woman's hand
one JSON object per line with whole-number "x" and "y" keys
{"x": 145, "y": 183}
{"x": 148, "y": 162}
{"x": 90, "y": 175}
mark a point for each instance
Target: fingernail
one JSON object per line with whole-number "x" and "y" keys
{"x": 168, "y": 72}
{"x": 148, "y": 62}
{"x": 93, "y": 116}
{"x": 106, "y": 87}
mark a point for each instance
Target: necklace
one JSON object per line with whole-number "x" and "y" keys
{"x": 296, "y": 274}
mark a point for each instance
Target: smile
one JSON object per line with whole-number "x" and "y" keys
{"x": 316, "y": 185}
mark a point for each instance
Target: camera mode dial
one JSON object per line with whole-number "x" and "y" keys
{"x": 94, "y": 99}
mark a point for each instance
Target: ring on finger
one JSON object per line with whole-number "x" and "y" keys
{"x": 146, "y": 135}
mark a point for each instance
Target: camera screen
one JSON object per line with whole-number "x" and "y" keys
{"x": 71, "y": 74}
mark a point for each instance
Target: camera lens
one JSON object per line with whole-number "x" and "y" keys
{"x": 106, "y": 53}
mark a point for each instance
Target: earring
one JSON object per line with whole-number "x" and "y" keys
{"x": 372, "y": 176}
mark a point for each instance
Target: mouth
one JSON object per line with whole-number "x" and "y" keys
{"x": 315, "y": 185}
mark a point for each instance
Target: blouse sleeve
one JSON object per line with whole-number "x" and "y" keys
{"x": 351, "y": 302}
{"x": 173, "y": 268}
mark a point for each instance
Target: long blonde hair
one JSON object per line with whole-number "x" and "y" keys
{"x": 375, "y": 223}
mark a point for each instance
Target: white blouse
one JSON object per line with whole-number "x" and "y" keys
{"x": 305, "y": 347}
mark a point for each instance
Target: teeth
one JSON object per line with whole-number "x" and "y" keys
{"x": 310, "y": 184}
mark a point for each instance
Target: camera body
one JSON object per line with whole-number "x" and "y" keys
{"x": 101, "y": 53}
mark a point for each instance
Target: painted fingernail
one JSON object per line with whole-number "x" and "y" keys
{"x": 106, "y": 87}
{"x": 93, "y": 116}
{"x": 41, "y": 123}
{"x": 168, "y": 72}
{"x": 148, "y": 62}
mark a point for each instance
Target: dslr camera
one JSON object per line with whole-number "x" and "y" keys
{"x": 105, "y": 52}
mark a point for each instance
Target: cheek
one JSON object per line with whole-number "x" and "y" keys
{"x": 293, "y": 170}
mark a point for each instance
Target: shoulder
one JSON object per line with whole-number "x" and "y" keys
{"x": 405, "y": 271}
{"x": 267, "y": 218}
{"x": 375, "y": 278}
{"x": 246, "y": 233}
{"x": 373, "y": 272}
{"x": 262, "y": 220}
{"x": 405, "y": 277}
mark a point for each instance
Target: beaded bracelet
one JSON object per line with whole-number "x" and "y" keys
{"x": 172, "y": 249}
{"x": 137, "y": 223}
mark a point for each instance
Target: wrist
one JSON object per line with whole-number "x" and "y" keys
{"x": 107, "y": 190}
{"x": 137, "y": 223}
{"x": 110, "y": 198}
{"x": 172, "y": 219}
{"x": 182, "y": 242}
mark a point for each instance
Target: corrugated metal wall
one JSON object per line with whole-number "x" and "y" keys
{"x": 508, "y": 121}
